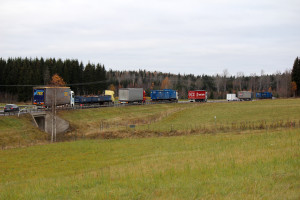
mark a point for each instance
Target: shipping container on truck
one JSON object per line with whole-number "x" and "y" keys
{"x": 197, "y": 96}
{"x": 48, "y": 96}
{"x": 245, "y": 95}
{"x": 264, "y": 95}
{"x": 231, "y": 97}
{"x": 96, "y": 100}
{"x": 167, "y": 95}
{"x": 131, "y": 95}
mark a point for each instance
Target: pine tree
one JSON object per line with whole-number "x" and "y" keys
{"x": 296, "y": 74}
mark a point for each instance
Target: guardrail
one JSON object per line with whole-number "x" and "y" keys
{"x": 34, "y": 109}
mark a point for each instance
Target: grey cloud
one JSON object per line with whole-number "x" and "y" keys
{"x": 171, "y": 36}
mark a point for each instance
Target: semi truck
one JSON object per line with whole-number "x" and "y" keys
{"x": 106, "y": 99}
{"x": 197, "y": 96}
{"x": 49, "y": 96}
{"x": 45, "y": 96}
{"x": 132, "y": 95}
{"x": 245, "y": 95}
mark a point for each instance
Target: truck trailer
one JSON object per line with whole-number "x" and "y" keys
{"x": 48, "y": 96}
{"x": 166, "y": 95}
{"x": 94, "y": 100}
{"x": 197, "y": 96}
{"x": 245, "y": 95}
{"x": 131, "y": 95}
{"x": 264, "y": 95}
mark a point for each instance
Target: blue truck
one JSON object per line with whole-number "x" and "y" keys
{"x": 98, "y": 99}
{"x": 264, "y": 95}
{"x": 164, "y": 95}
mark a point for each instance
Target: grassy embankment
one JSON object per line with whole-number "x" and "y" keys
{"x": 19, "y": 131}
{"x": 161, "y": 119}
{"x": 260, "y": 165}
{"x": 187, "y": 118}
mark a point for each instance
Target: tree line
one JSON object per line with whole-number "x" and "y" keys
{"x": 26, "y": 72}
{"x": 217, "y": 85}
{"x": 92, "y": 79}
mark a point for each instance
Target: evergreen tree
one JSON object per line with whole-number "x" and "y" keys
{"x": 296, "y": 74}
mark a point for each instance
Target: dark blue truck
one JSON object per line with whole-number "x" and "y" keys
{"x": 164, "y": 95}
{"x": 99, "y": 99}
{"x": 264, "y": 95}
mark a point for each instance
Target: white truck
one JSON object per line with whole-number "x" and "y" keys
{"x": 231, "y": 97}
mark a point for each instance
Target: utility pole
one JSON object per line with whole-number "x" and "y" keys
{"x": 55, "y": 113}
{"x": 52, "y": 119}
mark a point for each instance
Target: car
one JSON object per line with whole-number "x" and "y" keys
{"x": 11, "y": 108}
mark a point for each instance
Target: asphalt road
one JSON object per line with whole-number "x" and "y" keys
{"x": 30, "y": 110}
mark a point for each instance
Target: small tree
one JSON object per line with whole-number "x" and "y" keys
{"x": 57, "y": 81}
{"x": 165, "y": 83}
{"x": 294, "y": 87}
{"x": 112, "y": 87}
{"x": 270, "y": 89}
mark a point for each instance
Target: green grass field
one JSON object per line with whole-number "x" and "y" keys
{"x": 184, "y": 117}
{"x": 245, "y": 161}
{"x": 260, "y": 165}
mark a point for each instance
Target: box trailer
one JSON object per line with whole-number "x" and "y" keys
{"x": 48, "y": 96}
{"x": 131, "y": 95}
{"x": 197, "y": 96}
{"x": 264, "y": 95}
{"x": 164, "y": 95}
{"x": 231, "y": 97}
{"x": 97, "y": 100}
{"x": 245, "y": 95}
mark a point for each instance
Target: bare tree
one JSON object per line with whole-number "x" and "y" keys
{"x": 239, "y": 79}
{"x": 218, "y": 82}
{"x": 224, "y": 81}
{"x": 253, "y": 82}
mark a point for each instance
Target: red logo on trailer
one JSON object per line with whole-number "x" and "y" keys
{"x": 197, "y": 95}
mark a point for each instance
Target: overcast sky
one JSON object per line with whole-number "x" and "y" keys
{"x": 187, "y": 36}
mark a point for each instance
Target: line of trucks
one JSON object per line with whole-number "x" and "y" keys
{"x": 248, "y": 96}
{"x": 57, "y": 96}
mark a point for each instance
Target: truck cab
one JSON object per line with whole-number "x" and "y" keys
{"x": 72, "y": 102}
{"x": 110, "y": 93}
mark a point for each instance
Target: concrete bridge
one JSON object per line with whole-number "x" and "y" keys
{"x": 43, "y": 120}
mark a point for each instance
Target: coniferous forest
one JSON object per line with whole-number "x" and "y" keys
{"x": 19, "y": 75}
{"x": 27, "y": 73}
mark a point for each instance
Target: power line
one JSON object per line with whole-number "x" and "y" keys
{"x": 92, "y": 83}
{"x": 71, "y": 84}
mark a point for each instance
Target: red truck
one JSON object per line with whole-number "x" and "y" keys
{"x": 197, "y": 96}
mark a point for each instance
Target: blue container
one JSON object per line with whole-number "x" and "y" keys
{"x": 166, "y": 94}
{"x": 78, "y": 99}
{"x": 82, "y": 100}
{"x": 105, "y": 98}
{"x": 264, "y": 95}
{"x": 88, "y": 99}
{"x": 101, "y": 99}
